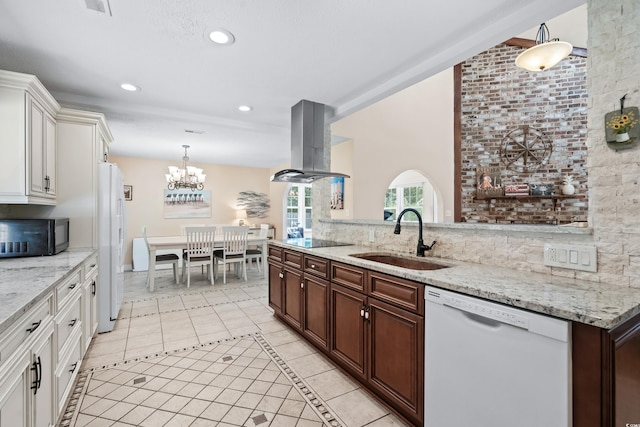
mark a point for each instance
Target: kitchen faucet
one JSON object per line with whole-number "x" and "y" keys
{"x": 421, "y": 246}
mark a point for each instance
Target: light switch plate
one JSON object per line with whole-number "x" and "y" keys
{"x": 575, "y": 257}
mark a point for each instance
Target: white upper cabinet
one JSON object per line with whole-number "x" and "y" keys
{"x": 28, "y": 140}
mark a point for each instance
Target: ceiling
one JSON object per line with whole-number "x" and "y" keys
{"x": 346, "y": 54}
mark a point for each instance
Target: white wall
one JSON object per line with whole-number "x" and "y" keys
{"x": 412, "y": 129}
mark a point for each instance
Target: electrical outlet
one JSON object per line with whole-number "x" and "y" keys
{"x": 372, "y": 235}
{"x": 574, "y": 257}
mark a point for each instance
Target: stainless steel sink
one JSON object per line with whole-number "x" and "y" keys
{"x": 400, "y": 261}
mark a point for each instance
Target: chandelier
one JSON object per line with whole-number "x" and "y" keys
{"x": 186, "y": 177}
{"x": 545, "y": 54}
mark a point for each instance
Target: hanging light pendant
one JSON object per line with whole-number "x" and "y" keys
{"x": 545, "y": 54}
{"x": 186, "y": 177}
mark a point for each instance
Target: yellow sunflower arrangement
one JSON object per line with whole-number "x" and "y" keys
{"x": 622, "y": 123}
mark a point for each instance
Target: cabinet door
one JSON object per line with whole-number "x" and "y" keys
{"x": 347, "y": 329}
{"x": 42, "y": 374}
{"x": 292, "y": 297}
{"x": 50, "y": 155}
{"x": 36, "y": 149}
{"x": 13, "y": 393}
{"x": 275, "y": 286}
{"x": 315, "y": 308}
{"x": 396, "y": 356}
{"x": 89, "y": 307}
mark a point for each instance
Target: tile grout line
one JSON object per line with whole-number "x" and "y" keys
{"x": 166, "y": 353}
{"x": 186, "y": 308}
{"x": 310, "y": 396}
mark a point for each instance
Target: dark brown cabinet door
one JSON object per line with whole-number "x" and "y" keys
{"x": 316, "y": 309}
{"x": 396, "y": 349}
{"x": 292, "y": 297}
{"x": 347, "y": 337}
{"x": 275, "y": 286}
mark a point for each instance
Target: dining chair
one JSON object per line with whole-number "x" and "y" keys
{"x": 255, "y": 253}
{"x": 200, "y": 242}
{"x": 162, "y": 259}
{"x": 234, "y": 250}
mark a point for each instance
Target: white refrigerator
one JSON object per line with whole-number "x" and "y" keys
{"x": 111, "y": 238}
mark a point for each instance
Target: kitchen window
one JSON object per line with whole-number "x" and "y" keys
{"x": 299, "y": 221}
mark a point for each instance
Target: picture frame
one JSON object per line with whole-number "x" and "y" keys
{"x": 488, "y": 182}
{"x": 128, "y": 192}
{"x": 337, "y": 193}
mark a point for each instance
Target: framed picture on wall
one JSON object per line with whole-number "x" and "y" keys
{"x": 337, "y": 193}
{"x": 128, "y": 192}
{"x": 187, "y": 204}
{"x": 488, "y": 183}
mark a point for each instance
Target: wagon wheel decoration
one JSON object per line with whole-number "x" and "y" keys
{"x": 527, "y": 148}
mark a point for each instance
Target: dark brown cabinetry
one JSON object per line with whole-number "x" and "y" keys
{"x": 298, "y": 293}
{"x": 370, "y": 324}
{"x": 348, "y": 339}
{"x": 606, "y": 374}
{"x": 377, "y": 334}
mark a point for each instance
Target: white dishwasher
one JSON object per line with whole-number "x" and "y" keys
{"x": 490, "y": 365}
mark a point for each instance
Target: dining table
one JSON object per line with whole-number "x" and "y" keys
{"x": 180, "y": 242}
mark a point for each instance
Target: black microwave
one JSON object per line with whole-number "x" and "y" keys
{"x": 33, "y": 237}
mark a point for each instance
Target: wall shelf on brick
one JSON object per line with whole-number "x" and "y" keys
{"x": 553, "y": 198}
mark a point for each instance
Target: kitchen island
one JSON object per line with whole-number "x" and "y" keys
{"x": 604, "y": 321}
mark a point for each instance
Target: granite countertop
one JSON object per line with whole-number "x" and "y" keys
{"x": 598, "y": 304}
{"x": 26, "y": 281}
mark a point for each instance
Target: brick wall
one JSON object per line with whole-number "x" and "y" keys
{"x": 499, "y": 100}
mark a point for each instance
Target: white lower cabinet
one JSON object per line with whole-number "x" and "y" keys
{"x": 13, "y": 393}
{"x": 41, "y": 386}
{"x": 41, "y": 352}
{"x": 68, "y": 366}
{"x": 89, "y": 302}
{"x": 26, "y": 398}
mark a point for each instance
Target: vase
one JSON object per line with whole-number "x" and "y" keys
{"x": 568, "y": 189}
{"x": 622, "y": 137}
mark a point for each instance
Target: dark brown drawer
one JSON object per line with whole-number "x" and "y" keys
{"x": 292, "y": 258}
{"x": 316, "y": 266}
{"x": 347, "y": 275}
{"x": 275, "y": 253}
{"x": 399, "y": 292}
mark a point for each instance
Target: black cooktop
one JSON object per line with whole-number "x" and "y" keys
{"x": 308, "y": 242}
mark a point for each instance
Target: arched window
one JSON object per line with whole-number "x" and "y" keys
{"x": 411, "y": 189}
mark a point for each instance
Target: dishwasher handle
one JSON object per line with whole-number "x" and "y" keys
{"x": 489, "y": 314}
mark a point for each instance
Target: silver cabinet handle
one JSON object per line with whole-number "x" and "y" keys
{"x": 302, "y": 285}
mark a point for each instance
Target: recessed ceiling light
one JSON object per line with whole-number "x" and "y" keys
{"x": 245, "y": 108}
{"x": 129, "y": 87}
{"x": 221, "y": 36}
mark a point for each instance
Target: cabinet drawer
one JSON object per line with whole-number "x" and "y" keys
{"x": 67, "y": 370}
{"x": 400, "y": 292}
{"x": 68, "y": 321}
{"x": 293, "y": 259}
{"x": 20, "y": 332}
{"x": 90, "y": 266}
{"x": 316, "y": 266}
{"x": 66, "y": 287}
{"x": 275, "y": 253}
{"x": 347, "y": 275}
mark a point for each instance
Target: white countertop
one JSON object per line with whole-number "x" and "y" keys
{"x": 599, "y": 304}
{"x": 25, "y": 281}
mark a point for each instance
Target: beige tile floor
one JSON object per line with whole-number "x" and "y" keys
{"x": 211, "y": 356}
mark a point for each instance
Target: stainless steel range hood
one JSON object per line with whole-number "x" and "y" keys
{"x": 307, "y": 145}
